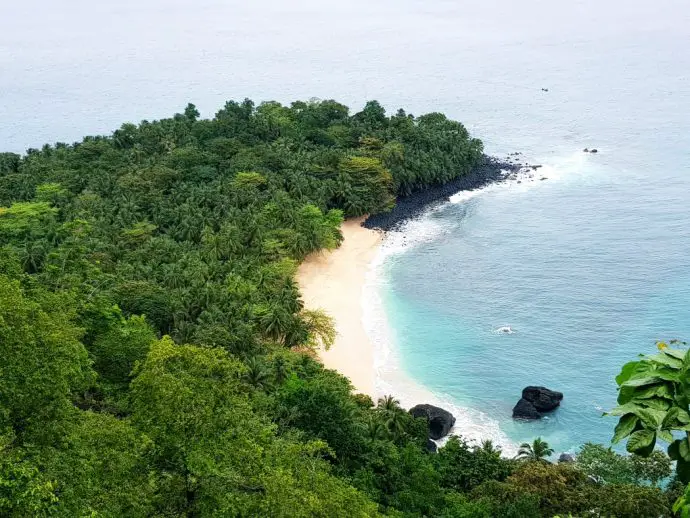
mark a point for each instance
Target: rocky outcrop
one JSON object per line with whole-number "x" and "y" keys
{"x": 440, "y": 421}
{"x": 543, "y": 399}
{"x": 489, "y": 170}
{"x": 535, "y": 401}
{"x": 566, "y": 458}
{"x": 525, "y": 410}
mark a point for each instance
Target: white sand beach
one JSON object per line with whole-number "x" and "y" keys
{"x": 333, "y": 281}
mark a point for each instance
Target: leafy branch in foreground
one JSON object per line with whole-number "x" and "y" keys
{"x": 653, "y": 403}
{"x": 653, "y": 398}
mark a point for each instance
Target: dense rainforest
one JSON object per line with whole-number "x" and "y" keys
{"x": 157, "y": 359}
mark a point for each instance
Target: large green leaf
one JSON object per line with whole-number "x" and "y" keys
{"x": 654, "y": 402}
{"x": 670, "y": 418}
{"x": 624, "y": 427}
{"x": 675, "y": 353}
{"x": 640, "y": 440}
{"x": 667, "y": 374}
{"x": 665, "y": 359}
{"x": 651, "y": 417}
{"x": 624, "y": 409}
{"x": 625, "y": 394}
{"x": 662, "y": 390}
{"x": 665, "y": 435}
{"x": 626, "y": 372}
{"x": 640, "y": 382}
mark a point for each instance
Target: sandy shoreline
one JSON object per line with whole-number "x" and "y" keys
{"x": 333, "y": 281}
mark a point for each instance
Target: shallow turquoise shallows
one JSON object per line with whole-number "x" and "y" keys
{"x": 588, "y": 267}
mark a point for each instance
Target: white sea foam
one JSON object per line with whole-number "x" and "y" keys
{"x": 473, "y": 425}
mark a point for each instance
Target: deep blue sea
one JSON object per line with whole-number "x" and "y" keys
{"x": 589, "y": 267}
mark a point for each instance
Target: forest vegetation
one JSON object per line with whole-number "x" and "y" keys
{"x": 157, "y": 359}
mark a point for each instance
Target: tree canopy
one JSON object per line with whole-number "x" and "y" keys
{"x": 158, "y": 359}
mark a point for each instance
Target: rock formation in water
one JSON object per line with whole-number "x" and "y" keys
{"x": 440, "y": 420}
{"x": 535, "y": 401}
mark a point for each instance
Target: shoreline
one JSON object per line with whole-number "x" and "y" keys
{"x": 334, "y": 282}
{"x": 343, "y": 282}
{"x": 489, "y": 171}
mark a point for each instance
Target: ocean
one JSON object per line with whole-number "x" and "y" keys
{"x": 589, "y": 267}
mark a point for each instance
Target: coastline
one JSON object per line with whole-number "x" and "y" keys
{"x": 345, "y": 283}
{"x": 489, "y": 171}
{"x": 338, "y": 281}
{"x": 334, "y": 281}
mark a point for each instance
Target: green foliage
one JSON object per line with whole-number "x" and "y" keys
{"x": 23, "y": 491}
{"x": 323, "y": 407}
{"x": 538, "y": 450}
{"x": 22, "y": 218}
{"x": 506, "y": 500}
{"x": 100, "y": 465}
{"x": 43, "y": 362}
{"x": 124, "y": 343}
{"x": 559, "y": 487}
{"x": 653, "y": 399}
{"x": 609, "y": 467}
{"x": 463, "y": 467}
{"x": 191, "y": 230}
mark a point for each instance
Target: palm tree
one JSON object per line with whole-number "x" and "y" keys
{"x": 281, "y": 370}
{"x": 256, "y": 375}
{"x": 537, "y": 451}
{"x": 375, "y": 429}
{"x": 488, "y": 447}
{"x": 396, "y": 423}
{"x": 388, "y": 404}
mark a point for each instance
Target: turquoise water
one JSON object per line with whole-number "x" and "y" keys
{"x": 589, "y": 267}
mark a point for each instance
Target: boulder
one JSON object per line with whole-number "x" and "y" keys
{"x": 594, "y": 151}
{"x": 566, "y": 457}
{"x": 525, "y": 410}
{"x": 586, "y": 150}
{"x": 440, "y": 421}
{"x": 543, "y": 399}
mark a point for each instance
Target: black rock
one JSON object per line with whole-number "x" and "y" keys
{"x": 525, "y": 410}
{"x": 489, "y": 170}
{"x": 431, "y": 446}
{"x": 586, "y": 150}
{"x": 440, "y": 421}
{"x": 566, "y": 457}
{"x": 594, "y": 151}
{"x": 543, "y": 399}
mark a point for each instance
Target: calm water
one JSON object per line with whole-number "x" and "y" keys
{"x": 589, "y": 267}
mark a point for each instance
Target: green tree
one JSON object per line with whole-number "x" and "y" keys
{"x": 607, "y": 466}
{"x": 120, "y": 347}
{"x": 463, "y": 467}
{"x": 653, "y": 399}
{"x": 538, "y": 450}
{"x": 44, "y": 363}
{"x": 101, "y": 466}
